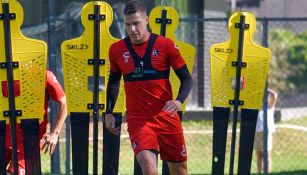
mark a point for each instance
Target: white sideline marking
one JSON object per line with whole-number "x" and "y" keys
{"x": 289, "y": 126}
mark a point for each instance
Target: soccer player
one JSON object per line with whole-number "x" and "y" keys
{"x": 144, "y": 59}
{"x": 47, "y": 140}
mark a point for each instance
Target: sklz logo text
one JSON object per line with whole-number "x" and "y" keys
{"x": 77, "y": 47}
{"x": 223, "y": 50}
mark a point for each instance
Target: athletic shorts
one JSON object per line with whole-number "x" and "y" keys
{"x": 20, "y": 152}
{"x": 258, "y": 145}
{"x": 21, "y": 161}
{"x": 162, "y": 133}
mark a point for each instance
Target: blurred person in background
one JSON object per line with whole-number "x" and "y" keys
{"x": 259, "y": 137}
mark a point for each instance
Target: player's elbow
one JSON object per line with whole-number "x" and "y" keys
{"x": 63, "y": 104}
{"x": 189, "y": 82}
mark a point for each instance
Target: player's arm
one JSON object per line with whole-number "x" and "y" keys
{"x": 275, "y": 96}
{"x": 52, "y": 138}
{"x": 112, "y": 90}
{"x": 186, "y": 83}
{"x": 112, "y": 94}
{"x": 55, "y": 90}
{"x": 61, "y": 116}
{"x": 182, "y": 72}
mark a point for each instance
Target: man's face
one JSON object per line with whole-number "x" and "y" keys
{"x": 136, "y": 27}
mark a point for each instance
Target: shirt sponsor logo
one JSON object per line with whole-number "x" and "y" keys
{"x": 150, "y": 71}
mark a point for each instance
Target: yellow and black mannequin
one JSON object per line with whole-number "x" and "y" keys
{"x": 23, "y": 67}
{"x": 239, "y": 69}
{"x": 164, "y": 20}
{"x": 86, "y": 66}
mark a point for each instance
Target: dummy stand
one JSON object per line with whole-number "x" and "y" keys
{"x": 9, "y": 65}
{"x": 79, "y": 136}
{"x": 248, "y": 122}
{"x": 111, "y": 147}
{"x": 220, "y": 126}
{"x": 2, "y": 148}
{"x": 30, "y": 129}
{"x": 137, "y": 167}
{"x": 96, "y": 62}
{"x": 247, "y": 135}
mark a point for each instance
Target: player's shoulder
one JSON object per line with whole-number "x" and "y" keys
{"x": 117, "y": 46}
{"x": 51, "y": 78}
{"x": 164, "y": 40}
{"x": 167, "y": 43}
{"x": 49, "y": 74}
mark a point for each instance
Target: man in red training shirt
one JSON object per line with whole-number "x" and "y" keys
{"x": 144, "y": 59}
{"x": 48, "y": 140}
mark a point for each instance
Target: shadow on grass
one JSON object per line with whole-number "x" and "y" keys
{"x": 297, "y": 172}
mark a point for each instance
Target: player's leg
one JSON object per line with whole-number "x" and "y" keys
{"x": 8, "y": 155}
{"x": 148, "y": 162}
{"x": 270, "y": 147}
{"x": 8, "y": 158}
{"x": 21, "y": 165}
{"x": 145, "y": 146}
{"x": 172, "y": 144}
{"x": 259, "y": 161}
{"x": 269, "y": 161}
{"x": 179, "y": 168}
{"x": 258, "y": 146}
{"x": 220, "y": 126}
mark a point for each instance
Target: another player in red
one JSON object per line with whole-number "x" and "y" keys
{"x": 144, "y": 59}
{"x": 48, "y": 140}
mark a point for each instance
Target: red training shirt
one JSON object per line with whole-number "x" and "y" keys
{"x": 146, "y": 99}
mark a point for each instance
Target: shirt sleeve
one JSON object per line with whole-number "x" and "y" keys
{"x": 113, "y": 65}
{"x": 53, "y": 87}
{"x": 173, "y": 54}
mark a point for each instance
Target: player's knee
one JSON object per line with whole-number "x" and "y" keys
{"x": 149, "y": 169}
{"x": 178, "y": 168}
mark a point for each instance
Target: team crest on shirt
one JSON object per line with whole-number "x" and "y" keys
{"x": 126, "y": 57}
{"x": 155, "y": 52}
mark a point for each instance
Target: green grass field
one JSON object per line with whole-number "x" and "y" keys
{"x": 289, "y": 153}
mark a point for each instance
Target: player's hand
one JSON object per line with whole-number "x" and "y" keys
{"x": 49, "y": 142}
{"x": 110, "y": 124}
{"x": 172, "y": 106}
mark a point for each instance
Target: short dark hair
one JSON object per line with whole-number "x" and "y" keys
{"x": 134, "y": 6}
